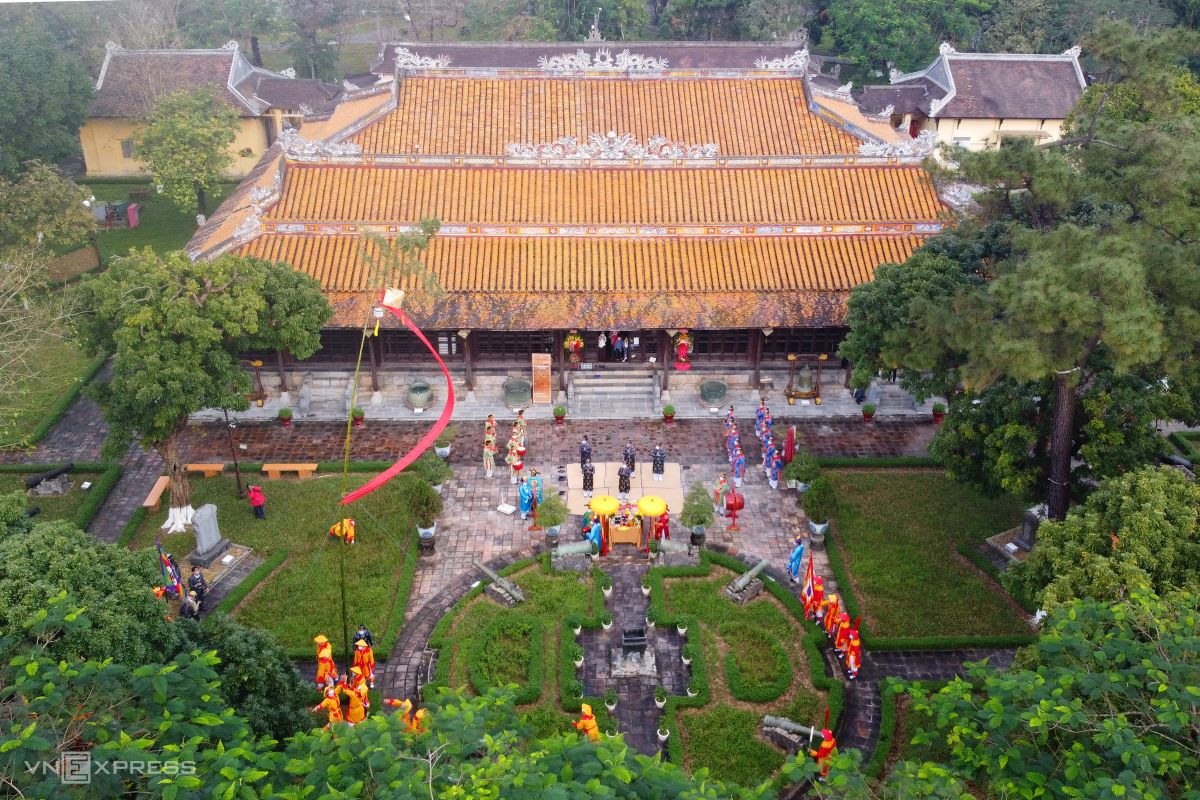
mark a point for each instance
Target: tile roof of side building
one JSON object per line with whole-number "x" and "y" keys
{"x": 984, "y": 86}
{"x": 131, "y": 81}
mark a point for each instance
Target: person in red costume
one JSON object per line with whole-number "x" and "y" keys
{"x": 829, "y": 621}
{"x": 824, "y": 751}
{"x": 813, "y": 602}
{"x": 332, "y": 704}
{"x": 853, "y": 656}
{"x": 662, "y": 527}
{"x": 327, "y": 672}
{"x": 587, "y": 723}
{"x": 841, "y": 639}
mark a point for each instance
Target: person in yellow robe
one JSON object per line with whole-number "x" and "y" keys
{"x": 359, "y": 696}
{"x": 332, "y": 704}
{"x": 587, "y": 723}
{"x": 327, "y": 672}
{"x": 364, "y": 659}
{"x": 344, "y": 530}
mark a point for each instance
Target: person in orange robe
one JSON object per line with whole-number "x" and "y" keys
{"x": 332, "y": 704}
{"x": 824, "y": 751}
{"x": 405, "y": 710}
{"x": 327, "y": 672}
{"x": 344, "y": 530}
{"x": 587, "y": 723}
{"x": 364, "y": 659}
{"x": 359, "y": 696}
{"x": 841, "y": 639}
{"x": 662, "y": 527}
{"x": 420, "y": 722}
{"x": 853, "y": 656}
{"x": 813, "y": 603}
{"x": 829, "y": 621}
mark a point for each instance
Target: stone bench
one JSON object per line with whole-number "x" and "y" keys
{"x": 153, "y": 501}
{"x": 303, "y": 471}
{"x": 209, "y": 470}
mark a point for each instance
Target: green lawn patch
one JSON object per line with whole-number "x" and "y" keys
{"x": 725, "y": 741}
{"x": 78, "y": 505}
{"x": 901, "y": 532}
{"x": 756, "y": 666}
{"x": 303, "y": 599}
{"x": 38, "y": 402}
{"x": 162, "y": 226}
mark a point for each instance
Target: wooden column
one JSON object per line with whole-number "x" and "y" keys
{"x": 561, "y": 360}
{"x": 282, "y": 366}
{"x": 373, "y": 352}
{"x": 664, "y": 349}
{"x": 469, "y": 359}
{"x": 756, "y": 350}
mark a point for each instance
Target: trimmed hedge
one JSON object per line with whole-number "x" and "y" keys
{"x": 480, "y": 670}
{"x": 252, "y": 580}
{"x": 887, "y": 730}
{"x": 57, "y": 411}
{"x": 131, "y": 528}
{"x": 743, "y": 687}
{"x": 878, "y": 462}
{"x": 101, "y": 487}
{"x": 1184, "y": 442}
{"x": 851, "y": 604}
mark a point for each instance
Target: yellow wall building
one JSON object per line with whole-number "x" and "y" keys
{"x": 132, "y": 80}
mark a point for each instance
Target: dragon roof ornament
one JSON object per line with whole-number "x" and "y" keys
{"x": 297, "y": 148}
{"x": 612, "y": 147}
{"x": 919, "y": 147}
{"x": 601, "y": 61}
{"x": 796, "y": 62}
{"x": 407, "y": 59}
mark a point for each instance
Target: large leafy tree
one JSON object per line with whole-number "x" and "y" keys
{"x": 186, "y": 146}
{"x": 211, "y": 23}
{"x": 1135, "y": 531}
{"x": 42, "y": 207}
{"x": 43, "y": 98}
{"x": 176, "y": 328}
{"x": 905, "y": 33}
{"x": 310, "y": 24}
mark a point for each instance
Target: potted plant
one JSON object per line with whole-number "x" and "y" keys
{"x": 669, "y": 414}
{"x": 560, "y": 413}
{"x": 660, "y": 696}
{"x": 606, "y": 620}
{"x": 610, "y": 699}
{"x": 433, "y": 469}
{"x": 441, "y": 445}
{"x": 663, "y": 733}
{"x": 939, "y": 413}
{"x": 577, "y": 655}
{"x": 575, "y": 690}
{"x": 606, "y": 586}
{"x": 574, "y": 624}
{"x": 649, "y": 620}
{"x": 551, "y": 514}
{"x": 357, "y": 415}
{"x": 424, "y": 504}
{"x": 697, "y": 512}
{"x": 801, "y": 471}
{"x": 868, "y": 412}
{"x": 692, "y": 690}
{"x": 681, "y": 625}
{"x": 645, "y": 587}
{"x": 686, "y": 654}
{"x": 285, "y": 417}
{"x": 819, "y": 502}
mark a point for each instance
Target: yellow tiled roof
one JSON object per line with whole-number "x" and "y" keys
{"x": 534, "y": 265}
{"x": 481, "y": 116}
{"x": 618, "y": 196}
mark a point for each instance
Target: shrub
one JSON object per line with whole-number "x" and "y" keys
{"x": 939, "y": 408}
{"x": 560, "y": 411}
{"x": 432, "y": 469}
{"x": 756, "y": 665}
{"x": 553, "y": 511}
{"x": 803, "y": 468}
{"x": 421, "y": 500}
{"x": 447, "y": 436}
{"x": 869, "y": 409}
{"x": 697, "y": 507}
{"x": 357, "y": 412}
{"x": 668, "y": 410}
{"x": 508, "y": 651}
{"x": 820, "y": 501}
{"x": 284, "y": 413}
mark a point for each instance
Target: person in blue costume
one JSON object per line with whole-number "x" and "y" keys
{"x": 739, "y": 467}
{"x": 525, "y": 492}
{"x": 775, "y": 470}
{"x": 758, "y": 418}
{"x": 794, "y": 562}
{"x": 536, "y": 480}
{"x": 596, "y": 534}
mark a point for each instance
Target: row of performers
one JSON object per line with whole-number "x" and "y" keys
{"x": 772, "y": 454}
{"x": 826, "y": 611}
{"x": 515, "y": 456}
{"x": 356, "y": 686}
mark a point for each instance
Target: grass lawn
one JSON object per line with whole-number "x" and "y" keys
{"x": 61, "y": 364}
{"x": 899, "y": 530}
{"x": 724, "y": 736}
{"x": 302, "y": 598}
{"x": 162, "y": 226}
{"x": 53, "y": 507}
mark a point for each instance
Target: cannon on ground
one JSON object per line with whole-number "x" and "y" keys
{"x": 748, "y": 585}
{"x": 502, "y": 589}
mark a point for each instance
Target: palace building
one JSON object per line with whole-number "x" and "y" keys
{"x": 725, "y": 195}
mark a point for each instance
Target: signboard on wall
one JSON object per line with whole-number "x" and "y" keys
{"x": 542, "y": 392}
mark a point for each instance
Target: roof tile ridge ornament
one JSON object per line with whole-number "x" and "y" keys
{"x": 288, "y": 72}
{"x": 938, "y": 103}
{"x": 230, "y": 45}
{"x": 796, "y": 62}
{"x": 601, "y": 61}
{"x": 946, "y": 49}
{"x": 919, "y": 147}
{"x": 1073, "y": 51}
{"x": 613, "y": 147}
{"x": 297, "y": 148}
{"x": 407, "y": 59}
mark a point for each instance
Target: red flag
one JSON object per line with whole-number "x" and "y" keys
{"x": 809, "y": 579}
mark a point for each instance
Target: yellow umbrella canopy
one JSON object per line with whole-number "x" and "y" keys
{"x": 605, "y": 505}
{"x": 651, "y": 506}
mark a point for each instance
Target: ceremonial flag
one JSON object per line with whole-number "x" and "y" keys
{"x": 170, "y": 576}
{"x": 809, "y": 581}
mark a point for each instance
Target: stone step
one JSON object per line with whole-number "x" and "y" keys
{"x": 646, "y": 391}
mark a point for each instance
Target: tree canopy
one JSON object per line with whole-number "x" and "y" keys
{"x": 186, "y": 143}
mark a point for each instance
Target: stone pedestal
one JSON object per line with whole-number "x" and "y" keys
{"x": 210, "y": 544}
{"x": 752, "y": 590}
{"x": 575, "y": 562}
{"x": 500, "y": 596}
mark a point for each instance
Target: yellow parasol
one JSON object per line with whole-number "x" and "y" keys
{"x": 605, "y": 505}
{"x": 651, "y": 506}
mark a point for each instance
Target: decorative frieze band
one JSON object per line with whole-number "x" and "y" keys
{"x": 601, "y": 61}
{"x": 611, "y": 231}
{"x": 612, "y": 147}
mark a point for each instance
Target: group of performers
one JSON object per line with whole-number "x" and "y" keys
{"x": 658, "y": 465}
{"x": 529, "y": 493}
{"x": 356, "y": 686}
{"x": 826, "y": 610}
{"x": 772, "y": 462}
{"x": 733, "y": 451}
{"x": 515, "y": 456}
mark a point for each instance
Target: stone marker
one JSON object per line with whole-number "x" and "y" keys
{"x": 210, "y": 544}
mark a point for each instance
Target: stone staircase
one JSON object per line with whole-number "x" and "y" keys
{"x": 614, "y": 394}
